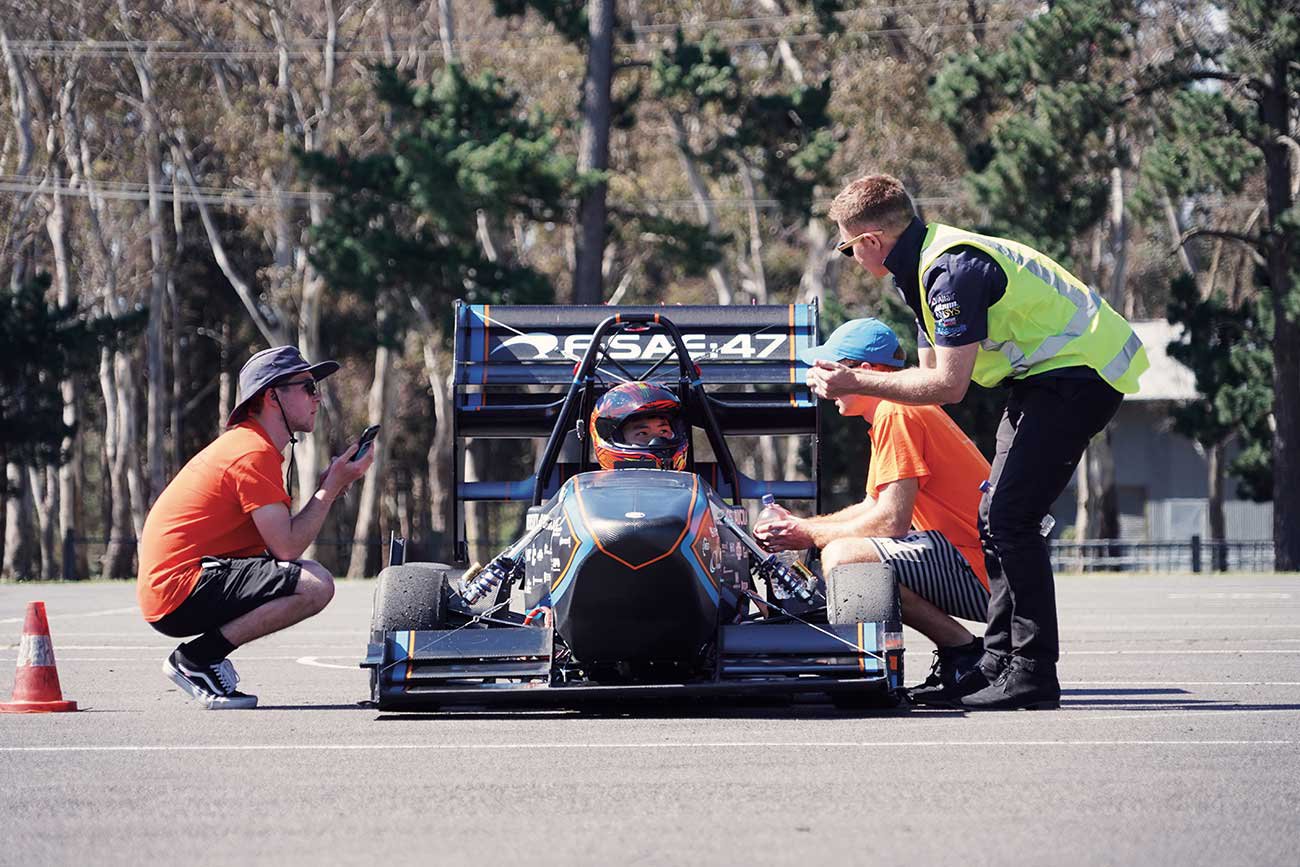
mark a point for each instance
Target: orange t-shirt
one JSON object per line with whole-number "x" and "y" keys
{"x": 923, "y": 443}
{"x": 206, "y": 512}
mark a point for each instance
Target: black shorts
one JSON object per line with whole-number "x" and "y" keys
{"x": 227, "y": 589}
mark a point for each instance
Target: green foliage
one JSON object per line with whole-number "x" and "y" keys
{"x": 1199, "y": 151}
{"x": 783, "y": 137}
{"x": 1227, "y": 348}
{"x": 688, "y": 247}
{"x": 40, "y": 346}
{"x": 404, "y": 218}
{"x": 1037, "y": 116}
{"x": 569, "y": 17}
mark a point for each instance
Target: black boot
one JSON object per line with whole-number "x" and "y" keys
{"x": 955, "y": 673}
{"x": 1025, "y": 684}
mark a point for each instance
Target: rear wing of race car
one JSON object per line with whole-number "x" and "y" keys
{"x": 519, "y": 369}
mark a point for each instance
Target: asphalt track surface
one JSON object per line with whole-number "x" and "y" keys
{"x": 1177, "y": 743}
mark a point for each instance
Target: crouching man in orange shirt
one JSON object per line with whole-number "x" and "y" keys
{"x": 921, "y": 514}
{"x": 220, "y": 553}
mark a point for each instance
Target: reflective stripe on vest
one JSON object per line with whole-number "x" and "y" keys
{"x": 1075, "y": 342}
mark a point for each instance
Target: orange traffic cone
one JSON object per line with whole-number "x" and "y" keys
{"x": 36, "y": 683}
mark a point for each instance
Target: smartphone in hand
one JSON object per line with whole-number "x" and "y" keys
{"x": 363, "y": 444}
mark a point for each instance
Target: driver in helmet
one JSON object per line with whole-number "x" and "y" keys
{"x": 639, "y": 424}
{"x": 640, "y": 431}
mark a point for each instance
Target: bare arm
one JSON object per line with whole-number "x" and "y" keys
{"x": 890, "y": 515}
{"x": 925, "y": 357}
{"x": 286, "y": 536}
{"x": 945, "y": 382}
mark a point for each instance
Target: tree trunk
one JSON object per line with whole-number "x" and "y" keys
{"x": 776, "y": 8}
{"x": 125, "y": 483}
{"x": 442, "y": 497}
{"x": 380, "y": 406}
{"x": 41, "y": 482}
{"x": 155, "y": 426}
{"x": 821, "y": 264}
{"x": 71, "y": 480}
{"x": 703, "y": 203}
{"x": 1214, "y": 503}
{"x": 593, "y": 151}
{"x": 1097, "y": 498}
{"x": 1276, "y": 110}
{"x": 18, "y": 553}
{"x": 477, "y": 528}
{"x": 447, "y": 31}
{"x": 757, "y": 272}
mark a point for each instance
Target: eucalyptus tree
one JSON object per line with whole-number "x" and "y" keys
{"x": 1050, "y": 141}
{"x": 402, "y": 235}
{"x": 1236, "y": 87}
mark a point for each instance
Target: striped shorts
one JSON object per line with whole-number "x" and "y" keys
{"x": 928, "y": 565}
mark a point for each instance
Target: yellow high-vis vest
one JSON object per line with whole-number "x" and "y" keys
{"x": 1046, "y": 319}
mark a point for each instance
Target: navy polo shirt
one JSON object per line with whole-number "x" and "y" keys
{"x": 959, "y": 287}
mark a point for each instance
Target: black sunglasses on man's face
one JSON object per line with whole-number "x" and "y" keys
{"x": 846, "y": 247}
{"x": 308, "y": 385}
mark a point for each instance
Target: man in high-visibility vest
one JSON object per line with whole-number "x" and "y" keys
{"x": 994, "y": 311}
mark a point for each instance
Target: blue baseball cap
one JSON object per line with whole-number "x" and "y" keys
{"x": 868, "y": 340}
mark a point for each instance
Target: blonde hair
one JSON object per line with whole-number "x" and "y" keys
{"x": 873, "y": 200}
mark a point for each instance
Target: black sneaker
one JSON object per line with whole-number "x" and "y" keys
{"x": 212, "y": 685}
{"x": 955, "y": 673}
{"x": 1025, "y": 684}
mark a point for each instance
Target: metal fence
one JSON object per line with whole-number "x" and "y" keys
{"x": 1194, "y": 555}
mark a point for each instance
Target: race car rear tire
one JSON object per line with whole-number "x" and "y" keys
{"x": 410, "y": 596}
{"x": 862, "y": 593}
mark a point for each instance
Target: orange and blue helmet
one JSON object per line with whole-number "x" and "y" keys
{"x": 626, "y": 403}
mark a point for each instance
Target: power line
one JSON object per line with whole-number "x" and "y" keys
{"x": 231, "y": 196}
{"x": 300, "y": 48}
{"x": 132, "y": 191}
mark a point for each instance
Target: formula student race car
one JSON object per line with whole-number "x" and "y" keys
{"x": 640, "y": 580}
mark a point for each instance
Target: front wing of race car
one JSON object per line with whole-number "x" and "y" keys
{"x": 415, "y": 670}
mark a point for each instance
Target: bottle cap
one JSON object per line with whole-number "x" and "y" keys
{"x": 769, "y": 500}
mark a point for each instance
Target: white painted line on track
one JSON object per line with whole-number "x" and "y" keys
{"x": 156, "y": 648}
{"x": 314, "y": 662}
{"x": 1144, "y": 714}
{"x": 1180, "y": 683}
{"x": 161, "y": 748}
{"x": 1218, "y": 594}
{"x": 1220, "y": 652}
{"x": 149, "y": 660}
{"x": 56, "y": 618}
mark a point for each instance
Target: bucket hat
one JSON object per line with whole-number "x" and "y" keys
{"x": 271, "y": 367}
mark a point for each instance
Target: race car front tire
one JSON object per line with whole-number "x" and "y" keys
{"x": 412, "y": 596}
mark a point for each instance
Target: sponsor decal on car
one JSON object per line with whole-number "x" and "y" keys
{"x": 537, "y": 345}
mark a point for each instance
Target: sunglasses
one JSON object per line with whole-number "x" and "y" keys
{"x": 846, "y": 247}
{"x": 308, "y": 385}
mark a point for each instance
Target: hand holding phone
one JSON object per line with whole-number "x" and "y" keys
{"x": 363, "y": 443}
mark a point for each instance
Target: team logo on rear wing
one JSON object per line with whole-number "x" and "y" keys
{"x": 543, "y": 346}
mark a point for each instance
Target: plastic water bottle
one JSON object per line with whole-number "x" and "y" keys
{"x": 789, "y": 558}
{"x": 1044, "y": 526}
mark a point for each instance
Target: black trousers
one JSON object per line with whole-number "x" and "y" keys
{"x": 1045, "y": 428}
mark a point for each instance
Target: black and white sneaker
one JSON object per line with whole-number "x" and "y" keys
{"x": 212, "y": 685}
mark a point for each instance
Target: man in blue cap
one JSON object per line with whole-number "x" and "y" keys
{"x": 920, "y": 515}
{"x": 220, "y": 555}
